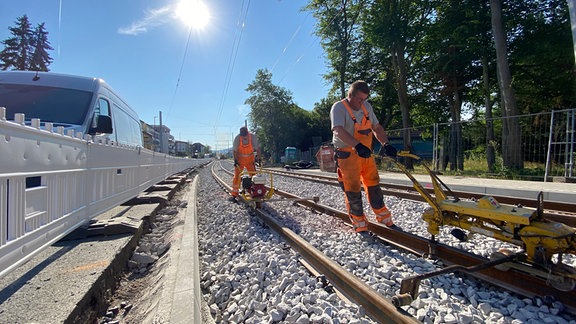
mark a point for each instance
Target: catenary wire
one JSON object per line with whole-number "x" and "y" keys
{"x": 232, "y": 59}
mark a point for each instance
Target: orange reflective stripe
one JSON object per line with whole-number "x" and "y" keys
{"x": 384, "y": 216}
{"x": 359, "y": 223}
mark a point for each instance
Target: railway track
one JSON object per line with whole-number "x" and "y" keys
{"x": 457, "y": 260}
{"x": 563, "y": 212}
{"x": 381, "y": 309}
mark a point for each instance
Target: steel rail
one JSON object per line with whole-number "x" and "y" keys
{"x": 513, "y": 280}
{"x": 562, "y": 212}
{"x": 516, "y": 281}
{"x": 380, "y": 309}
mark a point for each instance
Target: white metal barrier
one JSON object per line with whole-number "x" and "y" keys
{"x": 51, "y": 183}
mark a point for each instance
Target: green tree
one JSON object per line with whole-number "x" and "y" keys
{"x": 511, "y": 135}
{"x": 27, "y": 48}
{"x": 454, "y": 62}
{"x": 40, "y": 57}
{"x": 488, "y": 83}
{"x": 320, "y": 118}
{"x": 338, "y": 30}
{"x": 271, "y": 109}
{"x": 16, "y": 53}
{"x": 396, "y": 28}
{"x": 544, "y": 36}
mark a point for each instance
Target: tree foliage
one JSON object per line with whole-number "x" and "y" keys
{"x": 432, "y": 61}
{"x": 27, "y": 49}
{"x": 279, "y": 122}
{"x": 338, "y": 30}
{"x": 40, "y": 57}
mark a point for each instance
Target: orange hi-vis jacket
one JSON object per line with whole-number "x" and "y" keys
{"x": 355, "y": 171}
{"x": 245, "y": 151}
{"x": 245, "y": 160}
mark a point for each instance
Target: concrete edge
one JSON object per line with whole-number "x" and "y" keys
{"x": 187, "y": 303}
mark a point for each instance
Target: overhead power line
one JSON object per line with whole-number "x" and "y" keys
{"x": 233, "y": 54}
{"x": 179, "y": 73}
{"x": 299, "y": 58}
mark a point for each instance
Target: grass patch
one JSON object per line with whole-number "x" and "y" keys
{"x": 476, "y": 166}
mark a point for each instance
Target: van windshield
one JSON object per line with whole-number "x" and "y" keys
{"x": 49, "y": 104}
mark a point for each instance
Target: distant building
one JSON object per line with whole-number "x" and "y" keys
{"x": 171, "y": 144}
{"x": 163, "y": 137}
{"x": 157, "y": 138}
{"x": 181, "y": 148}
{"x": 150, "y": 137}
{"x": 197, "y": 150}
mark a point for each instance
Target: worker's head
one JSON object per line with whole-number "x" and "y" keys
{"x": 243, "y": 131}
{"x": 359, "y": 91}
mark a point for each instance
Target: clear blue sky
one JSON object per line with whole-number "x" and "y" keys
{"x": 139, "y": 48}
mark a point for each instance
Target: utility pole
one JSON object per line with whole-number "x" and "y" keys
{"x": 161, "y": 133}
{"x": 154, "y": 136}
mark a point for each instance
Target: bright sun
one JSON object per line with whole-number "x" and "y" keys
{"x": 193, "y": 13}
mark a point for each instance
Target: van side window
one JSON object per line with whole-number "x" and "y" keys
{"x": 130, "y": 132}
{"x": 103, "y": 107}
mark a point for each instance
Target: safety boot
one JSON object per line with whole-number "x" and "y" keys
{"x": 359, "y": 223}
{"x": 384, "y": 216}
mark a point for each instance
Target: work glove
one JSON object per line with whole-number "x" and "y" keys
{"x": 362, "y": 150}
{"x": 388, "y": 150}
{"x": 236, "y": 163}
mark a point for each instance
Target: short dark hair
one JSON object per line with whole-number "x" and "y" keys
{"x": 359, "y": 85}
{"x": 243, "y": 131}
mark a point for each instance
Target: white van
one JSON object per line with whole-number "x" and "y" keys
{"x": 87, "y": 105}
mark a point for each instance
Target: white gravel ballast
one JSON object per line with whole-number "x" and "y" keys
{"x": 249, "y": 275}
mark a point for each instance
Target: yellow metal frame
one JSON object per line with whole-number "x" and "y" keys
{"x": 524, "y": 227}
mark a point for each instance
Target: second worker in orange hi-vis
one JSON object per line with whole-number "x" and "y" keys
{"x": 353, "y": 125}
{"x": 244, "y": 146}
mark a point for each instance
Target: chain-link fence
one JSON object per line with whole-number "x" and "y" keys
{"x": 545, "y": 145}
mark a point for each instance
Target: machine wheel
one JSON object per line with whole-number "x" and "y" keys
{"x": 500, "y": 254}
{"x": 561, "y": 281}
{"x": 564, "y": 284}
{"x": 402, "y": 300}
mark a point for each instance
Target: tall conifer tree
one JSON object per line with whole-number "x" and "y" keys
{"x": 40, "y": 57}
{"x": 27, "y": 48}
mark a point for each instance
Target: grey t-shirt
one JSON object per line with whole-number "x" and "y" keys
{"x": 339, "y": 116}
{"x": 236, "y": 143}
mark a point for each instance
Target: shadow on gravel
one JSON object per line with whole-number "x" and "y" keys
{"x": 286, "y": 220}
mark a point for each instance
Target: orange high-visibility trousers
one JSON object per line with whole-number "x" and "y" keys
{"x": 237, "y": 170}
{"x": 354, "y": 172}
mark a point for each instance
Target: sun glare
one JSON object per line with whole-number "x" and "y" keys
{"x": 193, "y": 13}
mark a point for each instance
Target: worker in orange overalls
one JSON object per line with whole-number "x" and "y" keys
{"x": 244, "y": 146}
{"x": 353, "y": 123}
